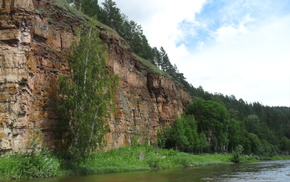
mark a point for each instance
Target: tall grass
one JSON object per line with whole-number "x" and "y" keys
{"x": 138, "y": 158}
{"x": 23, "y": 166}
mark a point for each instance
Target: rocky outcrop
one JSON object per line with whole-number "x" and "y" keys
{"x": 34, "y": 36}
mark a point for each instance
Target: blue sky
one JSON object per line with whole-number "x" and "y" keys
{"x": 233, "y": 47}
{"x": 217, "y": 14}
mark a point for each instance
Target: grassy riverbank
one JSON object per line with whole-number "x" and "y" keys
{"x": 142, "y": 158}
{"x": 125, "y": 159}
{"x": 21, "y": 166}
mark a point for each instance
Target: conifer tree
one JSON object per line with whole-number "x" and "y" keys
{"x": 111, "y": 15}
{"x": 90, "y": 7}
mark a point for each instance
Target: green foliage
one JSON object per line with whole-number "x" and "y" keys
{"x": 202, "y": 142}
{"x": 237, "y": 154}
{"x": 237, "y": 136}
{"x": 164, "y": 138}
{"x": 36, "y": 162}
{"x": 111, "y": 15}
{"x": 170, "y": 152}
{"x": 21, "y": 166}
{"x": 35, "y": 142}
{"x": 213, "y": 121}
{"x": 127, "y": 159}
{"x": 285, "y": 145}
{"x": 90, "y": 7}
{"x": 219, "y": 130}
{"x": 38, "y": 165}
{"x": 255, "y": 125}
{"x": 255, "y": 144}
{"x": 153, "y": 162}
{"x": 124, "y": 159}
{"x": 69, "y": 14}
{"x": 183, "y": 136}
{"x": 131, "y": 32}
{"x": 151, "y": 67}
{"x": 85, "y": 96}
{"x": 269, "y": 124}
{"x": 179, "y": 135}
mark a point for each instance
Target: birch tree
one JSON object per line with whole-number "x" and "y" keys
{"x": 86, "y": 95}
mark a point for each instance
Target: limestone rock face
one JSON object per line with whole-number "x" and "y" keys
{"x": 34, "y": 36}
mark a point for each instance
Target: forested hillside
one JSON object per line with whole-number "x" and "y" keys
{"x": 213, "y": 122}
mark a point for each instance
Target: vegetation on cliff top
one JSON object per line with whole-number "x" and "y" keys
{"x": 110, "y": 15}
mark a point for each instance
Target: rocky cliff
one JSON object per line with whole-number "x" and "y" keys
{"x": 34, "y": 36}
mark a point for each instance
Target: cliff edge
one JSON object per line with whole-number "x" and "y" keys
{"x": 34, "y": 36}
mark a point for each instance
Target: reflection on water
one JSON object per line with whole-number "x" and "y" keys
{"x": 263, "y": 171}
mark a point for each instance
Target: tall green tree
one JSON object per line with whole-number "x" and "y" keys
{"x": 235, "y": 134}
{"x": 111, "y": 15}
{"x": 212, "y": 120}
{"x": 90, "y": 7}
{"x": 180, "y": 135}
{"x": 165, "y": 63}
{"x": 157, "y": 57}
{"x": 85, "y": 95}
{"x": 285, "y": 145}
{"x": 183, "y": 136}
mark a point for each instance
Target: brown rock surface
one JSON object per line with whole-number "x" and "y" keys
{"x": 34, "y": 35}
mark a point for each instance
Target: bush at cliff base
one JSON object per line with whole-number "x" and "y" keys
{"x": 21, "y": 166}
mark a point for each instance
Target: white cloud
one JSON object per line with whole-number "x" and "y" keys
{"x": 252, "y": 65}
{"x": 160, "y": 19}
{"x": 248, "y": 52}
{"x": 229, "y": 32}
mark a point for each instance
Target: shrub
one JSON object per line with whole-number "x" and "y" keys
{"x": 36, "y": 162}
{"x": 153, "y": 162}
{"x": 21, "y": 166}
{"x": 237, "y": 153}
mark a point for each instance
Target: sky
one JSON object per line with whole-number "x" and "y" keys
{"x": 232, "y": 47}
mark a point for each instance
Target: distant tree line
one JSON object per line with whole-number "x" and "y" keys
{"x": 228, "y": 123}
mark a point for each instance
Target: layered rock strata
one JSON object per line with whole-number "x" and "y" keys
{"x": 34, "y": 36}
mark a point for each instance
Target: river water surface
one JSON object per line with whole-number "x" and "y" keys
{"x": 262, "y": 172}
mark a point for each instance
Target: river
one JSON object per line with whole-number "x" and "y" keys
{"x": 267, "y": 171}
